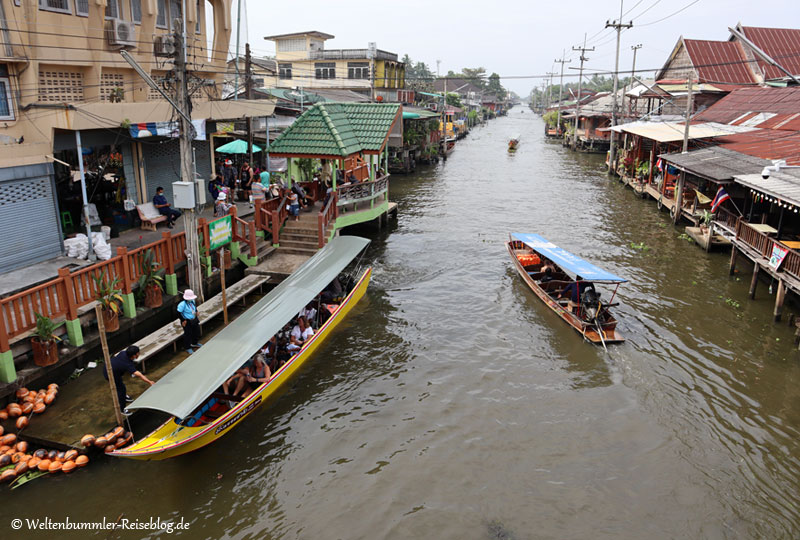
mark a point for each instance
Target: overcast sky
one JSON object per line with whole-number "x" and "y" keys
{"x": 513, "y": 38}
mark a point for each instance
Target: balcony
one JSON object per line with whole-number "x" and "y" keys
{"x": 350, "y": 54}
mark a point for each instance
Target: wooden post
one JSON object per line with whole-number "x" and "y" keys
{"x": 69, "y": 293}
{"x": 107, "y": 359}
{"x": 779, "y": 298}
{"x": 754, "y": 281}
{"x": 734, "y": 253}
{"x": 710, "y": 236}
{"x": 222, "y": 281}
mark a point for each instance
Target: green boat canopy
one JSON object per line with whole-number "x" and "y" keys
{"x": 183, "y": 389}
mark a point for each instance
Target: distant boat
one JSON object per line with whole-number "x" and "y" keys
{"x": 590, "y": 316}
{"x": 513, "y": 143}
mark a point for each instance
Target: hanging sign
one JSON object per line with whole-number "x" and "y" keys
{"x": 778, "y": 254}
{"x": 220, "y": 232}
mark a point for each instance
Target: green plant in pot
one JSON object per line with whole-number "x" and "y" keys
{"x": 705, "y": 219}
{"x": 151, "y": 281}
{"x": 44, "y": 342}
{"x": 109, "y": 296}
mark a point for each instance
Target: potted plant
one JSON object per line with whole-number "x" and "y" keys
{"x": 109, "y": 295}
{"x": 44, "y": 342}
{"x": 151, "y": 282}
{"x": 705, "y": 221}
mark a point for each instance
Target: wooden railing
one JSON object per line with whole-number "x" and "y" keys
{"x": 278, "y": 218}
{"x": 70, "y": 291}
{"x": 763, "y": 244}
{"x": 362, "y": 192}
{"x": 726, "y": 218}
{"x": 325, "y": 217}
{"x": 243, "y": 231}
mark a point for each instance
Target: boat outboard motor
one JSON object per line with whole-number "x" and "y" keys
{"x": 590, "y": 301}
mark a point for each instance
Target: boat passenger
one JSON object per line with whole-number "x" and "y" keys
{"x": 282, "y": 355}
{"x": 547, "y": 274}
{"x": 332, "y": 292}
{"x": 259, "y": 373}
{"x": 236, "y": 383}
{"x": 301, "y": 331}
{"x": 309, "y": 312}
{"x": 573, "y": 292}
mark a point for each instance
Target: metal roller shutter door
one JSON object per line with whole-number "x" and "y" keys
{"x": 163, "y": 165}
{"x": 28, "y": 217}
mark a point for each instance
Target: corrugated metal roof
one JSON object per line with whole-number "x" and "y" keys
{"x": 752, "y": 100}
{"x": 719, "y": 61}
{"x": 767, "y": 144}
{"x": 673, "y": 131}
{"x": 784, "y": 185}
{"x": 716, "y": 163}
{"x": 782, "y": 44}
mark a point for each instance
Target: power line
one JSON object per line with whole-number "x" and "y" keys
{"x": 671, "y": 14}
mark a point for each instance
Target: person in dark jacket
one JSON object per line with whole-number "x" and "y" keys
{"x": 121, "y": 364}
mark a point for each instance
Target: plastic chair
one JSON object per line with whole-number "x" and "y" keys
{"x": 66, "y": 221}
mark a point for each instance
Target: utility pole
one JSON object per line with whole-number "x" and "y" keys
{"x": 248, "y": 84}
{"x": 561, "y": 88}
{"x": 618, "y": 25}
{"x": 236, "y": 63}
{"x": 550, "y": 89}
{"x": 583, "y": 51}
{"x": 679, "y": 187}
{"x": 187, "y": 175}
{"x": 634, "y": 48}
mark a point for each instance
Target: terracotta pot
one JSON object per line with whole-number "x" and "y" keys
{"x": 45, "y": 353}
{"x": 111, "y": 320}
{"x": 152, "y": 297}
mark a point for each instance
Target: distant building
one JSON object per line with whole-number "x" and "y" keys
{"x": 304, "y": 62}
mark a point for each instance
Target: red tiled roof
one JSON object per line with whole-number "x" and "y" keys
{"x": 719, "y": 61}
{"x": 766, "y": 144}
{"x": 782, "y": 44}
{"x": 780, "y": 101}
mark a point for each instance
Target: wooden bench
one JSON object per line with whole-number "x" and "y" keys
{"x": 150, "y": 216}
{"x": 172, "y": 332}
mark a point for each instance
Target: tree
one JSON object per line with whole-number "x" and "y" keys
{"x": 418, "y": 75}
{"x": 454, "y": 99}
{"x": 495, "y": 87}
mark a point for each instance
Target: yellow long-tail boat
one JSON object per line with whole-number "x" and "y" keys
{"x": 199, "y": 414}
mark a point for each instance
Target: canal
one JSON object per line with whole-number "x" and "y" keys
{"x": 452, "y": 404}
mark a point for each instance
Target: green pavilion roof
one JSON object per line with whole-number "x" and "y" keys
{"x": 338, "y": 129}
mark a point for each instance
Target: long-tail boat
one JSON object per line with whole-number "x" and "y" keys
{"x": 189, "y": 394}
{"x": 513, "y": 144}
{"x": 548, "y": 270}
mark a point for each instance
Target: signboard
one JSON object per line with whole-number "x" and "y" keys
{"x": 778, "y": 254}
{"x": 220, "y": 232}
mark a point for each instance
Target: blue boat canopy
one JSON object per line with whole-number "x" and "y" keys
{"x": 566, "y": 260}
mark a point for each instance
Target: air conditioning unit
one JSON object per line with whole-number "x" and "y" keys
{"x": 164, "y": 45}
{"x": 121, "y": 33}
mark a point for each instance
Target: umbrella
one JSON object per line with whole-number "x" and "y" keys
{"x": 236, "y": 147}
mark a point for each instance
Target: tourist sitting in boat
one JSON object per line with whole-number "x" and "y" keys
{"x": 547, "y": 273}
{"x": 259, "y": 373}
{"x": 283, "y": 354}
{"x": 301, "y": 331}
{"x": 309, "y": 312}
{"x": 236, "y": 383}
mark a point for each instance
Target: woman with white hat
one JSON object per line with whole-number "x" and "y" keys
{"x": 221, "y": 207}
{"x": 187, "y": 311}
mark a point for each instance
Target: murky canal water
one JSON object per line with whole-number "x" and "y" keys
{"x": 452, "y": 404}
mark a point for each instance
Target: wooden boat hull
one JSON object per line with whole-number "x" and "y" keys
{"x": 172, "y": 439}
{"x": 588, "y": 330}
